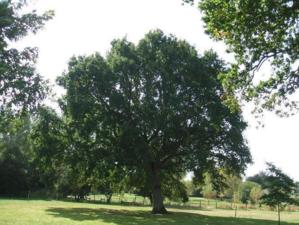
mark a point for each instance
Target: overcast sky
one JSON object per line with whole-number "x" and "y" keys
{"x": 84, "y": 27}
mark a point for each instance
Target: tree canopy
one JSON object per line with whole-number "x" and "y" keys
{"x": 21, "y": 87}
{"x": 154, "y": 107}
{"x": 258, "y": 32}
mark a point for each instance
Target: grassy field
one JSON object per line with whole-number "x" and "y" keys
{"x": 33, "y": 212}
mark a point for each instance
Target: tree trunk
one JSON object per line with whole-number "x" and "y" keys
{"x": 150, "y": 197}
{"x": 108, "y": 198}
{"x": 158, "y": 205}
{"x": 278, "y": 211}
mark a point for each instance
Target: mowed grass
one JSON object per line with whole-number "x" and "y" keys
{"x": 33, "y": 212}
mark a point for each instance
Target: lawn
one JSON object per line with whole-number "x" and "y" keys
{"x": 33, "y": 212}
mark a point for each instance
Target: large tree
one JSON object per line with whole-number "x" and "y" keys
{"x": 154, "y": 107}
{"x": 21, "y": 87}
{"x": 258, "y": 32}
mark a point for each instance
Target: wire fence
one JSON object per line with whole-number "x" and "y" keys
{"x": 193, "y": 203}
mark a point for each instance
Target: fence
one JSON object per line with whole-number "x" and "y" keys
{"x": 193, "y": 203}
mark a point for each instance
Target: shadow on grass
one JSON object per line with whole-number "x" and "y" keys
{"x": 133, "y": 204}
{"x": 128, "y": 217}
{"x": 186, "y": 207}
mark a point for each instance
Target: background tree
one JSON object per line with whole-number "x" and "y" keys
{"x": 49, "y": 139}
{"x": 20, "y": 86}
{"x": 64, "y": 171}
{"x": 258, "y": 32}
{"x": 245, "y": 191}
{"x": 69, "y": 181}
{"x": 279, "y": 189}
{"x": 256, "y": 194}
{"x": 297, "y": 189}
{"x": 208, "y": 190}
{"x": 109, "y": 180}
{"x": 258, "y": 178}
{"x": 231, "y": 188}
{"x": 15, "y": 157}
{"x": 193, "y": 189}
{"x": 155, "y": 107}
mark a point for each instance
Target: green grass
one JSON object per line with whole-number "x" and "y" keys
{"x": 33, "y": 212}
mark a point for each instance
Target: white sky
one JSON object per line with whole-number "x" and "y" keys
{"x": 84, "y": 27}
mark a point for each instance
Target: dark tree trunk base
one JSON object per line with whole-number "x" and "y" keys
{"x": 157, "y": 198}
{"x": 161, "y": 210}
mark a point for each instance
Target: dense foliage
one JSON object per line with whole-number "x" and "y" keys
{"x": 154, "y": 108}
{"x": 258, "y": 32}
{"x": 15, "y": 158}
{"x": 20, "y": 86}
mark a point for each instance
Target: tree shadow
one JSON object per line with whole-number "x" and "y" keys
{"x": 187, "y": 207}
{"x": 129, "y": 217}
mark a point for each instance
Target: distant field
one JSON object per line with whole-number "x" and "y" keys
{"x": 33, "y": 212}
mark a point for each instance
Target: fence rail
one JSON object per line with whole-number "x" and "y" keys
{"x": 193, "y": 203}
